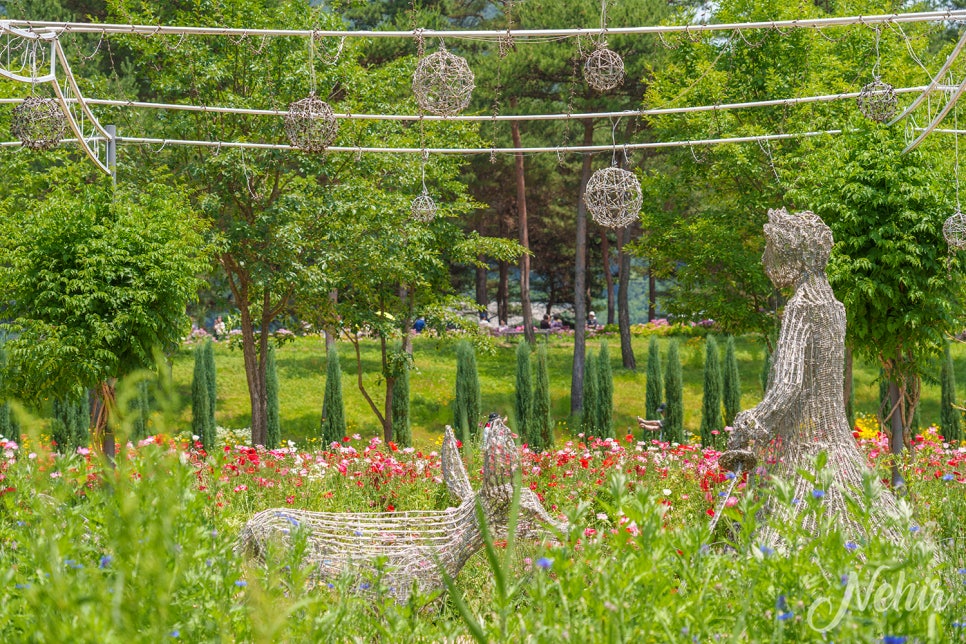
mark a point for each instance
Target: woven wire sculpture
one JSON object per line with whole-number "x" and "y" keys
{"x": 604, "y": 69}
{"x": 311, "y": 124}
{"x": 613, "y": 197}
{"x": 954, "y": 230}
{"x": 803, "y": 411}
{"x": 423, "y": 208}
{"x": 415, "y": 547}
{"x": 443, "y": 83}
{"x": 39, "y": 123}
{"x": 878, "y": 101}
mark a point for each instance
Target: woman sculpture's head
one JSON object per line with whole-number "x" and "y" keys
{"x": 795, "y": 245}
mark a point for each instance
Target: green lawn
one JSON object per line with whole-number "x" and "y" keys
{"x": 301, "y": 366}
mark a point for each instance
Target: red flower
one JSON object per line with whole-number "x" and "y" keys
{"x": 710, "y": 512}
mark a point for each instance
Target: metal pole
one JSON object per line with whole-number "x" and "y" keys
{"x": 112, "y": 151}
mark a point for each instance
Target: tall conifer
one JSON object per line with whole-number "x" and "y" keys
{"x": 731, "y": 383}
{"x": 333, "y": 409}
{"x": 401, "y": 429}
{"x": 653, "y": 388}
{"x": 674, "y": 393}
{"x": 273, "y": 428}
{"x": 541, "y": 403}
{"x": 950, "y": 417}
{"x": 524, "y": 395}
{"x": 605, "y": 393}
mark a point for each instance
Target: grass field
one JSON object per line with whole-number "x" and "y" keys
{"x": 301, "y": 370}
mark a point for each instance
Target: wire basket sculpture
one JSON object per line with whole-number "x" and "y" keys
{"x": 423, "y": 208}
{"x": 878, "y": 101}
{"x": 803, "y": 411}
{"x": 604, "y": 69}
{"x": 409, "y": 549}
{"x": 613, "y": 197}
{"x": 39, "y": 123}
{"x": 443, "y": 83}
{"x": 954, "y": 230}
{"x": 311, "y": 124}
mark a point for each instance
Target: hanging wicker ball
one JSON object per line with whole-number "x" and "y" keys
{"x": 39, "y": 123}
{"x": 954, "y": 230}
{"x": 443, "y": 83}
{"x": 423, "y": 208}
{"x": 604, "y": 69}
{"x": 613, "y": 197}
{"x": 878, "y": 101}
{"x": 311, "y": 124}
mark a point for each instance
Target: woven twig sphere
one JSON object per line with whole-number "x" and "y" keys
{"x": 954, "y": 230}
{"x": 604, "y": 69}
{"x": 423, "y": 208}
{"x": 311, "y": 124}
{"x": 878, "y": 101}
{"x": 613, "y": 197}
{"x": 443, "y": 83}
{"x": 39, "y": 123}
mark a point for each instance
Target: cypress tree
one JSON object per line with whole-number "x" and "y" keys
{"x": 200, "y": 416}
{"x": 605, "y": 393}
{"x": 524, "y": 395}
{"x": 140, "y": 410}
{"x": 765, "y": 370}
{"x": 466, "y": 410}
{"x": 731, "y": 382}
{"x": 711, "y": 401}
{"x": 209, "y": 356}
{"x": 402, "y": 431}
{"x": 273, "y": 430}
{"x": 81, "y": 427}
{"x": 60, "y": 425}
{"x": 541, "y": 403}
{"x": 590, "y": 416}
{"x": 850, "y": 403}
{"x": 949, "y": 415}
{"x": 674, "y": 392}
{"x": 653, "y": 389}
{"x": 333, "y": 427}
{"x": 9, "y": 428}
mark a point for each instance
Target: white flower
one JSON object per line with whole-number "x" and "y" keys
{"x": 667, "y": 492}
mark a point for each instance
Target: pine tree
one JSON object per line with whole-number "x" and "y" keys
{"x": 401, "y": 429}
{"x": 653, "y": 389}
{"x": 466, "y": 409}
{"x": 81, "y": 425}
{"x": 542, "y": 420}
{"x": 605, "y": 393}
{"x": 524, "y": 395}
{"x": 209, "y": 349}
{"x": 273, "y": 429}
{"x": 590, "y": 416}
{"x": 711, "y": 401}
{"x": 731, "y": 383}
{"x": 200, "y": 415}
{"x": 948, "y": 414}
{"x": 674, "y": 392}
{"x": 333, "y": 427}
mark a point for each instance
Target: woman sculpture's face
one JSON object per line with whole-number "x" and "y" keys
{"x": 781, "y": 269}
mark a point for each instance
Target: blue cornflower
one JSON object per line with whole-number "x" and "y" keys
{"x": 948, "y": 477}
{"x": 364, "y": 585}
{"x": 844, "y": 580}
{"x": 796, "y": 501}
{"x": 209, "y": 562}
{"x": 722, "y": 493}
{"x": 962, "y": 571}
{"x": 295, "y": 522}
{"x": 730, "y": 475}
{"x": 851, "y": 546}
{"x": 358, "y": 533}
{"x": 765, "y": 550}
{"x": 818, "y": 494}
{"x": 787, "y": 615}
{"x": 175, "y": 633}
{"x": 544, "y": 562}
{"x": 330, "y": 585}
{"x": 21, "y": 523}
{"x": 914, "y": 529}
{"x": 894, "y": 639}
{"x": 780, "y": 603}
{"x": 241, "y": 583}
{"x": 21, "y": 586}
{"x": 105, "y": 561}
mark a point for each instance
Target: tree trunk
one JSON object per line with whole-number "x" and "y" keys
{"x": 387, "y": 405}
{"x": 254, "y": 374}
{"x": 481, "y": 297}
{"x": 623, "y": 312}
{"x": 524, "y": 236}
{"x": 105, "y": 399}
{"x": 608, "y": 275}
{"x": 896, "y": 443}
{"x": 580, "y": 271}
{"x": 651, "y": 295}
{"x": 503, "y": 288}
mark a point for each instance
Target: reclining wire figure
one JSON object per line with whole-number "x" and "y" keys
{"x": 803, "y": 411}
{"x": 415, "y": 547}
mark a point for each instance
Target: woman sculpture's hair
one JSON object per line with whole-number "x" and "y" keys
{"x": 800, "y": 239}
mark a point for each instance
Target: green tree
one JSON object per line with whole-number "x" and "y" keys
{"x": 273, "y": 435}
{"x": 591, "y": 416}
{"x": 523, "y": 406}
{"x": 94, "y": 280}
{"x": 605, "y": 393}
{"x": 209, "y": 358}
{"x": 466, "y": 405}
{"x": 674, "y": 393}
{"x": 653, "y": 386}
{"x": 731, "y": 383}
{"x": 542, "y": 420}
{"x": 200, "y": 399}
{"x": 141, "y": 411}
{"x": 402, "y": 430}
{"x": 711, "y": 401}
{"x": 333, "y": 409}
{"x": 950, "y": 417}
{"x": 8, "y": 424}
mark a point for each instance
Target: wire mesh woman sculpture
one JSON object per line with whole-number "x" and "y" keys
{"x": 413, "y": 547}
{"x": 803, "y": 411}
